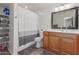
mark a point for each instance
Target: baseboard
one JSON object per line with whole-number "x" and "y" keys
{"x": 26, "y": 46}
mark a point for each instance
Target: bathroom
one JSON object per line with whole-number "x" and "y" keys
{"x": 34, "y": 26}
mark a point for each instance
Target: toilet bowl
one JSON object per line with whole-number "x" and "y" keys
{"x": 38, "y": 40}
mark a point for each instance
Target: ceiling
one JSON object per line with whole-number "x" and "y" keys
{"x": 36, "y": 7}
{"x": 41, "y": 6}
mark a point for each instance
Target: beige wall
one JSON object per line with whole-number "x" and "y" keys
{"x": 45, "y": 18}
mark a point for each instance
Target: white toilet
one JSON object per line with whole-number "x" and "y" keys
{"x": 38, "y": 40}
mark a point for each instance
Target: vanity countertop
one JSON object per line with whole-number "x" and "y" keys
{"x": 73, "y": 31}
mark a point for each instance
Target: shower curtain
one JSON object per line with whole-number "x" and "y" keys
{"x": 27, "y": 26}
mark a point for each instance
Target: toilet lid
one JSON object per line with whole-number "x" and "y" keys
{"x": 37, "y": 39}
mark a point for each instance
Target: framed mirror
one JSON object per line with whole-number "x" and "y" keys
{"x": 66, "y": 19}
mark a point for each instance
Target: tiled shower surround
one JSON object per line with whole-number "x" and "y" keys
{"x": 26, "y": 37}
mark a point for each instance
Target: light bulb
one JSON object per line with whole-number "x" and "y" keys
{"x": 61, "y": 7}
{"x": 26, "y": 7}
{"x": 56, "y": 9}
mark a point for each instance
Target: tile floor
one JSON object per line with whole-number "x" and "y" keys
{"x": 35, "y": 51}
{"x": 30, "y": 51}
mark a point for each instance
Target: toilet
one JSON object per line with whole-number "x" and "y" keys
{"x": 38, "y": 40}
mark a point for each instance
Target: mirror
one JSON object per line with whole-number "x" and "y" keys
{"x": 68, "y": 22}
{"x": 65, "y": 19}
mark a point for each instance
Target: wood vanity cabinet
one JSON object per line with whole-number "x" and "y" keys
{"x": 45, "y": 40}
{"x": 64, "y": 43}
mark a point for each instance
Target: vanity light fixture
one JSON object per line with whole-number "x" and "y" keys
{"x": 59, "y": 8}
{"x": 63, "y": 7}
{"x": 68, "y": 5}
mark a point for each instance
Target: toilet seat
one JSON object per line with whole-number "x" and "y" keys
{"x": 37, "y": 39}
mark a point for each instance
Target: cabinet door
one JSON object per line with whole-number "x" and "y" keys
{"x": 45, "y": 41}
{"x": 54, "y": 42}
{"x": 68, "y": 45}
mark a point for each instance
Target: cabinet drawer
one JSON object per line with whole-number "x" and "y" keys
{"x": 72, "y": 36}
{"x": 45, "y": 33}
{"x": 53, "y": 34}
{"x": 65, "y": 35}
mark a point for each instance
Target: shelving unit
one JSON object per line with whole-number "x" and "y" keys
{"x": 4, "y": 31}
